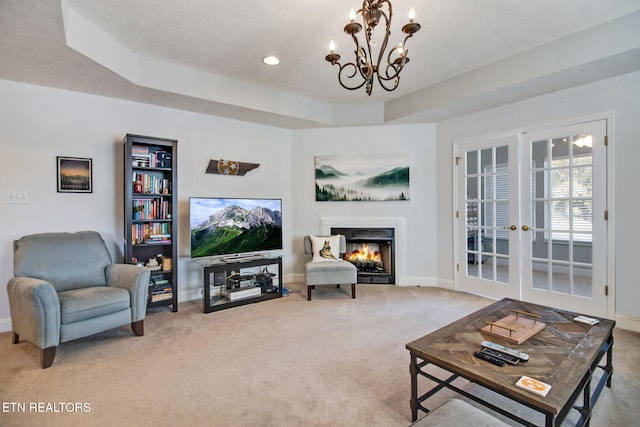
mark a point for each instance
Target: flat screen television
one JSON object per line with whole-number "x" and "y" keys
{"x": 226, "y": 226}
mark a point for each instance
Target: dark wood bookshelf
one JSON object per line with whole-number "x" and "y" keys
{"x": 151, "y": 213}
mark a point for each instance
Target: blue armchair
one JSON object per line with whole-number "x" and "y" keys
{"x": 66, "y": 287}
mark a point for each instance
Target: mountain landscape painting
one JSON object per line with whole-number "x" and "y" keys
{"x": 368, "y": 177}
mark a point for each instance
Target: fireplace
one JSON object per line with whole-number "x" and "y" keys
{"x": 371, "y": 250}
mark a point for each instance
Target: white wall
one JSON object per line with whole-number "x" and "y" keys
{"x": 37, "y": 124}
{"x": 418, "y": 141}
{"x": 618, "y": 97}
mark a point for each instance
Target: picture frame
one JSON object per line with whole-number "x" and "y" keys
{"x": 75, "y": 174}
{"x": 362, "y": 177}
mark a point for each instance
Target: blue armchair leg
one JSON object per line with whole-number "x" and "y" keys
{"x": 46, "y": 356}
{"x": 138, "y": 328}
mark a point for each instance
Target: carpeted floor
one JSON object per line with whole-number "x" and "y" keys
{"x": 333, "y": 361}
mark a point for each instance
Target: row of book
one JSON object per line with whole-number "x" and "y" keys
{"x": 151, "y": 209}
{"x": 155, "y": 233}
{"x": 142, "y": 156}
{"x": 149, "y": 184}
{"x": 160, "y": 289}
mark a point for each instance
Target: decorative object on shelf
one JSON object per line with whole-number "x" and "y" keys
{"x": 368, "y": 63}
{"x": 152, "y": 264}
{"x": 362, "y": 177}
{"x": 74, "y": 175}
{"x": 230, "y": 167}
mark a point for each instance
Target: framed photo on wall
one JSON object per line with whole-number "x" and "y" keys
{"x": 74, "y": 175}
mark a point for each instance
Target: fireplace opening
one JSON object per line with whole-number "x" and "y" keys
{"x": 371, "y": 251}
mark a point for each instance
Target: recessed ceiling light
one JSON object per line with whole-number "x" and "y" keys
{"x": 270, "y": 60}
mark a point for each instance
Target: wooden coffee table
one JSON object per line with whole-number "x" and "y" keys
{"x": 565, "y": 354}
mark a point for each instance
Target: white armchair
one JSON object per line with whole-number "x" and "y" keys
{"x": 327, "y": 266}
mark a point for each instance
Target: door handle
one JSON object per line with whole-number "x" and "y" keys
{"x": 513, "y": 227}
{"x": 525, "y": 228}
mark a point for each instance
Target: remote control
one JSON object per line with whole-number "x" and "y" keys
{"x": 512, "y": 360}
{"x": 520, "y": 355}
{"x": 488, "y": 358}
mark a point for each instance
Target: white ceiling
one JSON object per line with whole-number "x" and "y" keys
{"x": 205, "y": 56}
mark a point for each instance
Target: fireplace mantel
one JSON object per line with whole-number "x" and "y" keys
{"x": 397, "y": 223}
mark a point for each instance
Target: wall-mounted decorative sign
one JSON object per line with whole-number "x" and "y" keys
{"x": 74, "y": 175}
{"x": 230, "y": 167}
{"x": 362, "y": 177}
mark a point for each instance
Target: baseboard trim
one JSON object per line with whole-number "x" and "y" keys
{"x": 5, "y": 325}
{"x": 627, "y": 322}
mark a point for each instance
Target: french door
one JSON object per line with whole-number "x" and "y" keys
{"x": 531, "y": 217}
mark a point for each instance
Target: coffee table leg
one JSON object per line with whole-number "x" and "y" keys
{"x": 609, "y": 367}
{"x": 413, "y": 370}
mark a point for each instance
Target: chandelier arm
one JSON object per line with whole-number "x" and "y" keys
{"x": 384, "y": 81}
{"x": 344, "y": 73}
{"x": 363, "y": 61}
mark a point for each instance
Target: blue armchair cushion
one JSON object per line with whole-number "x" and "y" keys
{"x": 66, "y": 260}
{"x": 86, "y": 303}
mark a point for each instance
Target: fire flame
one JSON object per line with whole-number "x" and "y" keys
{"x": 363, "y": 254}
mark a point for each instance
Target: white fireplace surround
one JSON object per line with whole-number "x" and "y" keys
{"x": 398, "y": 225}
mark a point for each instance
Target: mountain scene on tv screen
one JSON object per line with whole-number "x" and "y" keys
{"x": 237, "y": 230}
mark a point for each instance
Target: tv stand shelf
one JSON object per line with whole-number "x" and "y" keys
{"x": 236, "y": 283}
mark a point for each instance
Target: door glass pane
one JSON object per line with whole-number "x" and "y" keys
{"x": 472, "y": 162}
{"x": 539, "y": 151}
{"x": 489, "y": 215}
{"x": 488, "y": 268}
{"x": 472, "y": 187}
{"x": 560, "y": 281}
{"x": 486, "y": 157}
{"x": 582, "y": 281}
{"x": 540, "y": 274}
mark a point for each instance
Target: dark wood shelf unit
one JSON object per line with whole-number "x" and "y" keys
{"x": 219, "y": 277}
{"x": 151, "y": 211}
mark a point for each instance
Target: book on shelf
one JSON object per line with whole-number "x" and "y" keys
{"x": 151, "y": 233}
{"x": 156, "y": 208}
{"x": 161, "y": 297}
{"x": 160, "y": 289}
{"x": 151, "y": 184}
{"x": 144, "y": 157}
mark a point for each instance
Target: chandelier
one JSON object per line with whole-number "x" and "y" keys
{"x": 370, "y": 61}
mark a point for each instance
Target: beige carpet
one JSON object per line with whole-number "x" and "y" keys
{"x": 333, "y": 361}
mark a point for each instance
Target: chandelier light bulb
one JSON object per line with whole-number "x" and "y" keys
{"x": 352, "y": 15}
{"x": 412, "y": 14}
{"x": 332, "y": 46}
